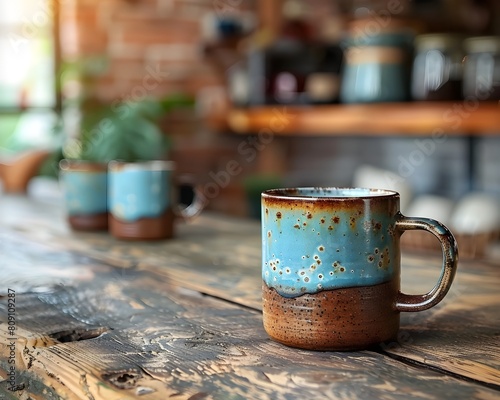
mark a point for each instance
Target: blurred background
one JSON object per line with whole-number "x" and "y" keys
{"x": 252, "y": 94}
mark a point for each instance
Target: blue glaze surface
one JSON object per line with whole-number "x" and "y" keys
{"x": 135, "y": 194}
{"x": 307, "y": 249}
{"x": 85, "y": 192}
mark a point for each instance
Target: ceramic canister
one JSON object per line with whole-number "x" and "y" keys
{"x": 331, "y": 266}
{"x": 377, "y": 61}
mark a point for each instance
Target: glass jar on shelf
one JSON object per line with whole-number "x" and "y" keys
{"x": 482, "y": 68}
{"x": 437, "y": 67}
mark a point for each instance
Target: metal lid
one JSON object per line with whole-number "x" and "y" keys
{"x": 482, "y": 44}
{"x": 438, "y": 41}
{"x": 154, "y": 165}
{"x": 82, "y": 165}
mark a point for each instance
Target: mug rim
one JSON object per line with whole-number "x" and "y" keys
{"x": 300, "y": 193}
{"x": 68, "y": 164}
{"x": 150, "y": 165}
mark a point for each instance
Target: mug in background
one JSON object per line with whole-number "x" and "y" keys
{"x": 331, "y": 266}
{"x": 84, "y": 185}
{"x": 142, "y": 200}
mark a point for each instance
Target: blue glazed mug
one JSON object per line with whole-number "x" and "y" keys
{"x": 85, "y": 186}
{"x": 142, "y": 200}
{"x": 331, "y": 266}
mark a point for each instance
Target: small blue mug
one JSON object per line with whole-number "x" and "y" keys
{"x": 85, "y": 185}
{"x": 142, "y": 200}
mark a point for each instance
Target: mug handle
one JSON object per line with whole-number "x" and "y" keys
{"x": 420, "y": 302}
{"x": 199, "y": 201}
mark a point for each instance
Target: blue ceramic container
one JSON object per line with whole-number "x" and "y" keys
{"x": 84, "y": 185}
{"x": 377, "y": 68}
{"x": 140, "y": 200}
{"x": 140, "y": 190}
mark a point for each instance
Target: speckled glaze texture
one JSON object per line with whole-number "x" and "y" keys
{"x": 315, "y": 244}
{"x": 331, "y": 266}
{"x": 342, "y": 319}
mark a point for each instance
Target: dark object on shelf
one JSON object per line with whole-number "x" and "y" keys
{"x": 229, "y": 27}
{"x": 437, "y": 67}
{"x": 294, "y": 72}
{"x": 482, "y": 68}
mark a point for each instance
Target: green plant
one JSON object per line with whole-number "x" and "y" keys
{"x": 128, "y": 132}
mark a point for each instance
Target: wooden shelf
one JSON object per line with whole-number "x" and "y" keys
{"x": 412, "y": 118}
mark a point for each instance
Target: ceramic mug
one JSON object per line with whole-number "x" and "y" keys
{"x": 331, "y": 266}
{"x": 142, "y": 200}
{"x": 84, "y": 185}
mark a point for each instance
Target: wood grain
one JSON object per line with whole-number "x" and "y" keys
{"x": 412, "y": 118}
{"x": 143, "y": 338}
{"x": 221, "y": 258}
{"x": 462, "y": 334}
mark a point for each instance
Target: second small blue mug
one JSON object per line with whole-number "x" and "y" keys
{"x": 142, "y": 200}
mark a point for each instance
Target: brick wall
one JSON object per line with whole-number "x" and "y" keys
{"x": 158, "y": 38}
{"x": 155, "y": 48}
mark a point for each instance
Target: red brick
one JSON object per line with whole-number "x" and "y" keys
{"x": 134, "y": 14}
{"x": 195, "y": 83}
{"x": 126, "y": 68}
{"x": 118, "y": 49}
{"x": 151, "y": 33}
{"x": 85, "y": 15}
{"x": 130, "y": 36}
{"x": 91, "y": 41}
{"x": 173, "y": 52}
{"x": 134, "y": 89}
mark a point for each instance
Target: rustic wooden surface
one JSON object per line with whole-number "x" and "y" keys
{"x": 103, "y": 319}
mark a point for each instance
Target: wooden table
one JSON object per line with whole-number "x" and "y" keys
{"x": 96, "y": 318}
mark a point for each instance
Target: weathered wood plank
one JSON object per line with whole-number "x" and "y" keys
{"x": 144, "y": 338}
{"x": 228, "y": 266}
{"x": 208, "y": 254}
{"x": 221, "y": 257}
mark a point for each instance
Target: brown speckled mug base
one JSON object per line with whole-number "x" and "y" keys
{"x": 341, "y": 319}
{"x": 157, "y": 228}
{"x": 94, "y": 222}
